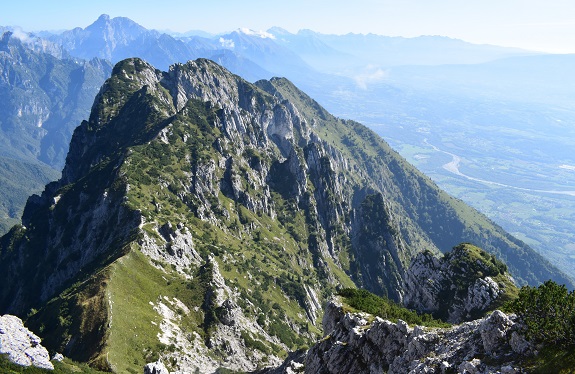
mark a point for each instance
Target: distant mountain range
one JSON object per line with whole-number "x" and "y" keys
{"x": 45, "y": 94}
{"x": 276, "y": 50}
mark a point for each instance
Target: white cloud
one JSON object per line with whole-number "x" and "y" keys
{"x": 371, "y": 74}
{"x": 227, "y": 43}
{"x": 18, "y": 33}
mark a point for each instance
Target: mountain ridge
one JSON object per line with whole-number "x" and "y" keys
{"x": 192, "y": 199}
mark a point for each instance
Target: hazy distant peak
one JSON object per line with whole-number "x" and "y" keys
{"x": 278, "y": 31}
{"x": 436, "y": 37}
{"x": 103, "y": 18}
{"x": 307, "y": 32}
{"x": 16, "y": 32}
{"x": 117, "y": 22}
{"x": 189, "y": 33}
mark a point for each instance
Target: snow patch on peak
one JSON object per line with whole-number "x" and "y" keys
{"x": 261, "y": 34}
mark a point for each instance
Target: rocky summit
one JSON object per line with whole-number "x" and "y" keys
{"x": 202, "y": 222}
{"x": 459, "y": 286}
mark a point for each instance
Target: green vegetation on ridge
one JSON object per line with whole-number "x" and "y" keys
{"x": 548, "y": 311}
{"x": 548, "y": 314}
{"x": 468, "y": 263}
{"x": 65, "y": 367}
{"x": 365, "y": 301}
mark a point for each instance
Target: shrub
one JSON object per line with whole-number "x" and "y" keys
{"x": 385, "y": 308}
{"x": 548, "y": 313}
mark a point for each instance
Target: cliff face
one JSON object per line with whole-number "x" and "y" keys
{"x": 204, "y": 220}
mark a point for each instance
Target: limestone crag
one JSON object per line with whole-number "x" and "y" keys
{"x": 155, "y": 368}
{"x": 360, "y": 343}
{"x": 456, "y": 287}
{"x": 192, "y": 352}
{"x": 21, "y": 345}
{"x": 174, "y": 246}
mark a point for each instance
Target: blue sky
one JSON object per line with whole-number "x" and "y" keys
{"x": 546, "y": 25}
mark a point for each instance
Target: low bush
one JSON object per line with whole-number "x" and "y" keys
{"x": 548, "y": 312}
{"x": 365, "y": 301}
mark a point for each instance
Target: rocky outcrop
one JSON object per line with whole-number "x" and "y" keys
{"x": 359, "y": 343}
{"x": 459, "y": 286}
{"x": 171, "y": 245}
{"x": 21, "y": 345}
{"x": 155, "y": 368}
{"x": 229, "y": 328}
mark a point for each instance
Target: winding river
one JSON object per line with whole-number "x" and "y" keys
{"x": 453, "y": 167}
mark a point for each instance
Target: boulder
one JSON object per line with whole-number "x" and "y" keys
{"x": 155, "y": 368}
{"x": 21, "y": 345}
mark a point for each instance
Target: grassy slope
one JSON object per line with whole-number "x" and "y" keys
{"x": 65, "y": 367}
{"x": 365, "y": 301}
{"x": 134, "y": 325}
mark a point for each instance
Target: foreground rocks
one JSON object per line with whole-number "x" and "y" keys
{"x": 20, "y": 345}
{"x": 155, "y": 368}
{"x": 361, "y": 343}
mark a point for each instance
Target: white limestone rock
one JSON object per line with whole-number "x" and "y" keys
{"x": 21, "y": 345}
{"x": 428, "y": 277}
{"x": 354, "y": 346}
{"x": 177, "y": 247}
{"x": 193, "y": 353}
{"x": 494, "y": 331}
{"x": 155, "y": 368}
